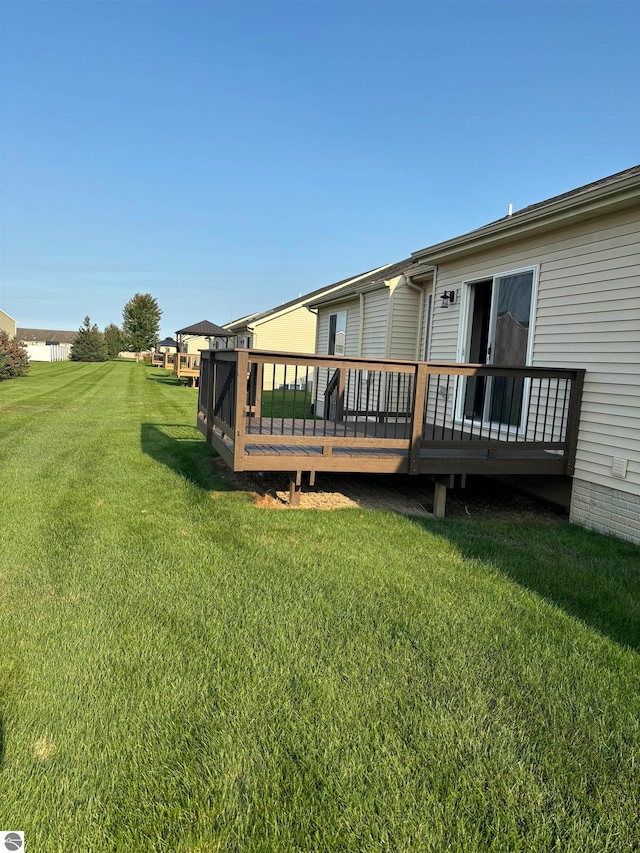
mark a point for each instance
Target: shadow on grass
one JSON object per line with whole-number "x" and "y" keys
{"x": 591, "y": 577}
{"x": 185, "y": 451}
{"x": 164, "y": 378}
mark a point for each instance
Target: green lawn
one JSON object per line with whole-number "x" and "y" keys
{"x": 287, "y": 404}
{"x": 181, "y": 671}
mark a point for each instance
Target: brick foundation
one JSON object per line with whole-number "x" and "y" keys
{"x": 606, "y": 510}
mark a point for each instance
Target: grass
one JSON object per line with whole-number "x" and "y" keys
{"x": 281, "y": 403}
{"x": 182, "y": 671}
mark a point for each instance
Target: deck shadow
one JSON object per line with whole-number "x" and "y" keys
{"x": 164, "y": 378}
{"x": 182, "y": 449}
{"x": 591, "y": 577}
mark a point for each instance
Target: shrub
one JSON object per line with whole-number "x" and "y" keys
{"x": 14, "y": 360}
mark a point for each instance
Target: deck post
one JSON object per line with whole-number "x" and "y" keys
{"x": 573, "y": 421}
{"x": 240, "y": 415}
{"x": 209, "y": 397}
{"x": 439, "y": 497}
{"x": 419, "y": 393}
{"x": 295, "y": 488}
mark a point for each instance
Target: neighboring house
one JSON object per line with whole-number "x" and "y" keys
{"x": 202, "y": 335}
{"x": 167, "y": 345}
{"x": 554, "y": 284}
{"x": 290, "y": 327}
{"x": 7, "y": 324}
{"x": 47, "y": 344}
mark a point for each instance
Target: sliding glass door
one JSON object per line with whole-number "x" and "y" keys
{"x": 499, "y": 314}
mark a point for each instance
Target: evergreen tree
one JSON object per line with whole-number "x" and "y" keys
{"x": 114, "y": 339}
{"x": 88, "y": 344}
{"x": 141, "y": 322}
{"x": 14, "y": 360}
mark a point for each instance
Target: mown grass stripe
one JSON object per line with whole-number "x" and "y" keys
{"x": 180, "y": 670}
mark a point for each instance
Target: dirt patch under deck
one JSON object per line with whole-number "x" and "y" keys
{"x": 483, "y": 497}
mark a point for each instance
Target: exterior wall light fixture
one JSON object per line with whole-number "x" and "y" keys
{"x": 448, "y": 298}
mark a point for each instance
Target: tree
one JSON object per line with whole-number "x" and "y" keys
{"x": 14, "y": 360}
{"x": 114, "y": 339}
{"x": 88, "y": 344}
{"x": 141, "y": 322}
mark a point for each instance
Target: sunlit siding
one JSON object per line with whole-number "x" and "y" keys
{"x": 196, "y": 344}
{"x": 587, "y": 315}
{"x": 7, "y": 324}
{"x": 374, "y": 335}
{"x": 406, "y": 326}
{"x": 294, "y": 331}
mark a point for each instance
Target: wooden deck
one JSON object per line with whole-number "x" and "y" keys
{"x": 359, "y": 415}
{"x": 163, "y": 359}
{"x": 187, "y": 366}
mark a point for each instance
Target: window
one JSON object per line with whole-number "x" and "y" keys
{"x": 337, "y": 332}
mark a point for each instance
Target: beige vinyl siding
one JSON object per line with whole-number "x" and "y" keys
{"x": 374, "y": 337}
{"x": 406, "y": 328}
{"x": 196, "y": 344}
{"x": 322, "y": 331}
{"x": 294, "y": 331}
{"x": 7, "y": 324}
{"x": 587, "y": 315}
{"x": 352, "y": 338}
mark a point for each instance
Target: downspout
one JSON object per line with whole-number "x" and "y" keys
{"x": 361, "y": 327}
{"x": 423, "y": 337}
{"x": 387, "y": 343}
{"x": 420, "y": 290}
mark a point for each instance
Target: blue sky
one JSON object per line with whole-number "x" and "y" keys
{"x": 227, "y": 156}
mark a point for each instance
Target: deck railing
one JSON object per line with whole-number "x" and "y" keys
{"x": 187, "y": 366}
{"x": 331, "y": 403}
{"x": 163, "y": 359}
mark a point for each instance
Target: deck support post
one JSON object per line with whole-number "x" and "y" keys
{"x": 439, "y": 498}
{"x": 295, "y": 488}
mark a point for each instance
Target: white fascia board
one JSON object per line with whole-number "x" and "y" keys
{"x": 237, "y": 325}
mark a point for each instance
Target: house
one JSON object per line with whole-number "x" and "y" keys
{"x": 377, "y": 315}
{"x": 47, "y": 344}
{"x": 290, "y": 327}
{"x": 7, "y": 324}
{"x": 557, "y": 282}
{"x": 511, "y": 350}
